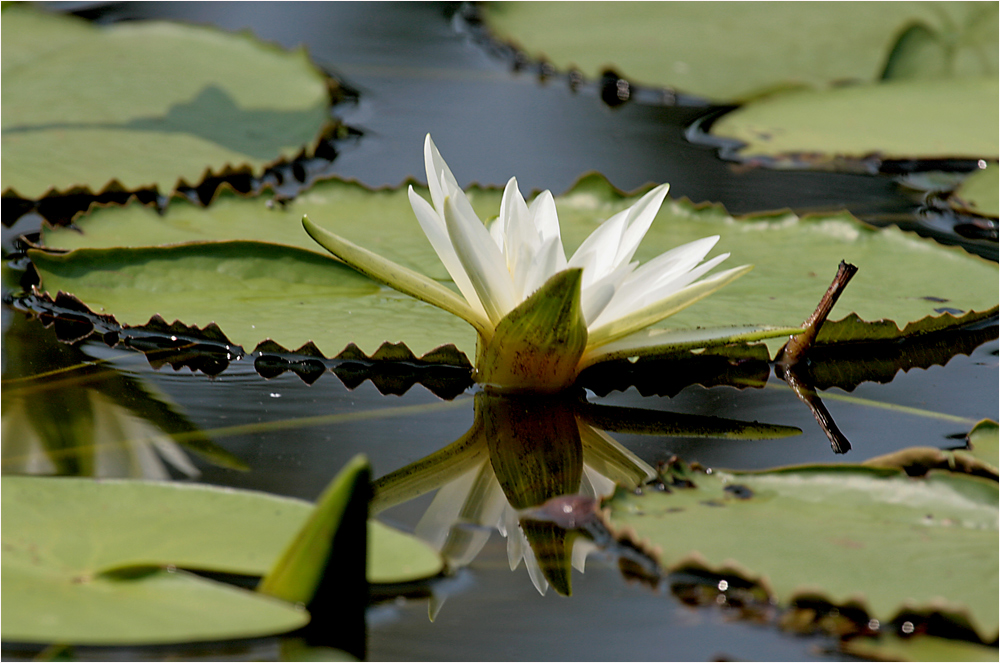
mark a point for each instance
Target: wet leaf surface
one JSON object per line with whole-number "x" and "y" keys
{"x": 848, "y": 535}
{"x": 221, "y": 101}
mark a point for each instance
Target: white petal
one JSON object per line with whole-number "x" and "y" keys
{"x": 534, "y": 570}
{"x": 435, "y": 167}
{"x": 621, "y": 326}
{"x": 596, "y": 297}
{"x": 442, "y": 182}
{"x": 483, "y": 262}
{"x": 520, "y": 239}
{"x": 640, "y": 217}
{"x": 542, "y": 267}
{"x": 546, "y": 219}
{"x": 515, "y": 539}
{"x": 597, "y": 253}
{"x": 652, "y": 280}
{"x": 437, "y": 233}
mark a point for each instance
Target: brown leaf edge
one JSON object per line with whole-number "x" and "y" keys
{"x": 392, "y": 368}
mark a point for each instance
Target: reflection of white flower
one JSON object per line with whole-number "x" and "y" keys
{"x": 467, "y": 508}
{"x": 115, "y": 444}
{"x": 542, "y": 318}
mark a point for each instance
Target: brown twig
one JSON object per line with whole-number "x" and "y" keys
{"x": 790, "y": 367}
{"x": 799, "y": 345}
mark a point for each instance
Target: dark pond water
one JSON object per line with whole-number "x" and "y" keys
{"x": 419, "y": 68}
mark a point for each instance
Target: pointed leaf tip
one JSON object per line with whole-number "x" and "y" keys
{"x": 300, "y": 570}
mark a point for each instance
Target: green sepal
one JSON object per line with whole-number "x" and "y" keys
{"x": 397, "y": 277}
{"x": 537, "y": 346}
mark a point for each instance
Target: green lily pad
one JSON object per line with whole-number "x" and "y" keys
{"x": 928, "y": 119}
{"x": 891, "y": 647}
{"x": 752, "y": 48}
{"x": 984, "y": 442}
{"x": 902, "y": 277}
{"x": 91, "y": 562}
{"x": 254, "y": 292}
{"x": 980, "y": 192}
{"x": 850, "y": 535}
{"x": 219, "y": 101}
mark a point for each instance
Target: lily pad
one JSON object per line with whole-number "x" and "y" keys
{"x": 984, "y": 442}
{"x": 750, "y": 48}
{"x": 852, "y": 536}
{"x": 902, "y": 277}
{"x": 897, "y": 119}
{"x": 90, "y": 562}
{"x": 891, "y": 647}
{"x": 980, "y": 192}
{"x": 219, "y": 101}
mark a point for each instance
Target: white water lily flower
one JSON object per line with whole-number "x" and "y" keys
{"x": 541, "y": 317}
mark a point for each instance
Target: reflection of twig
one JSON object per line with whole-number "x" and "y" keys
{"x": 791, "y": 367}
{"x": 797, "y": 346}
{"x": 805, "y": 393}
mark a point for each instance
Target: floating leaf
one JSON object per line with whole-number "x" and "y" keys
{"x": 219, "y": 101}
{"x": 980, "y": 192}
{"x": 900, "y": 119}
{"x": 253, "y": 291}
{"x": 86, "y": 561}
{"x": 892, "y": 647}
{"x": 747, "y": 49}
{"x": 902, "y": 277}
{"x": 64, "y": 539}
{"x": 984, "y": 440}
{"x": 852, "y": 351}
{"x": 848, "y": 535}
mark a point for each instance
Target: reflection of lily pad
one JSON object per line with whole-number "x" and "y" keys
{"x": 928, "y": 119}
{"x": 748, "y": 47}
{"x": 87, "y": 561}
{"x": 846, "y": 534}
{"x": 902, "y": 277}
{"x": 219, "y": 100}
